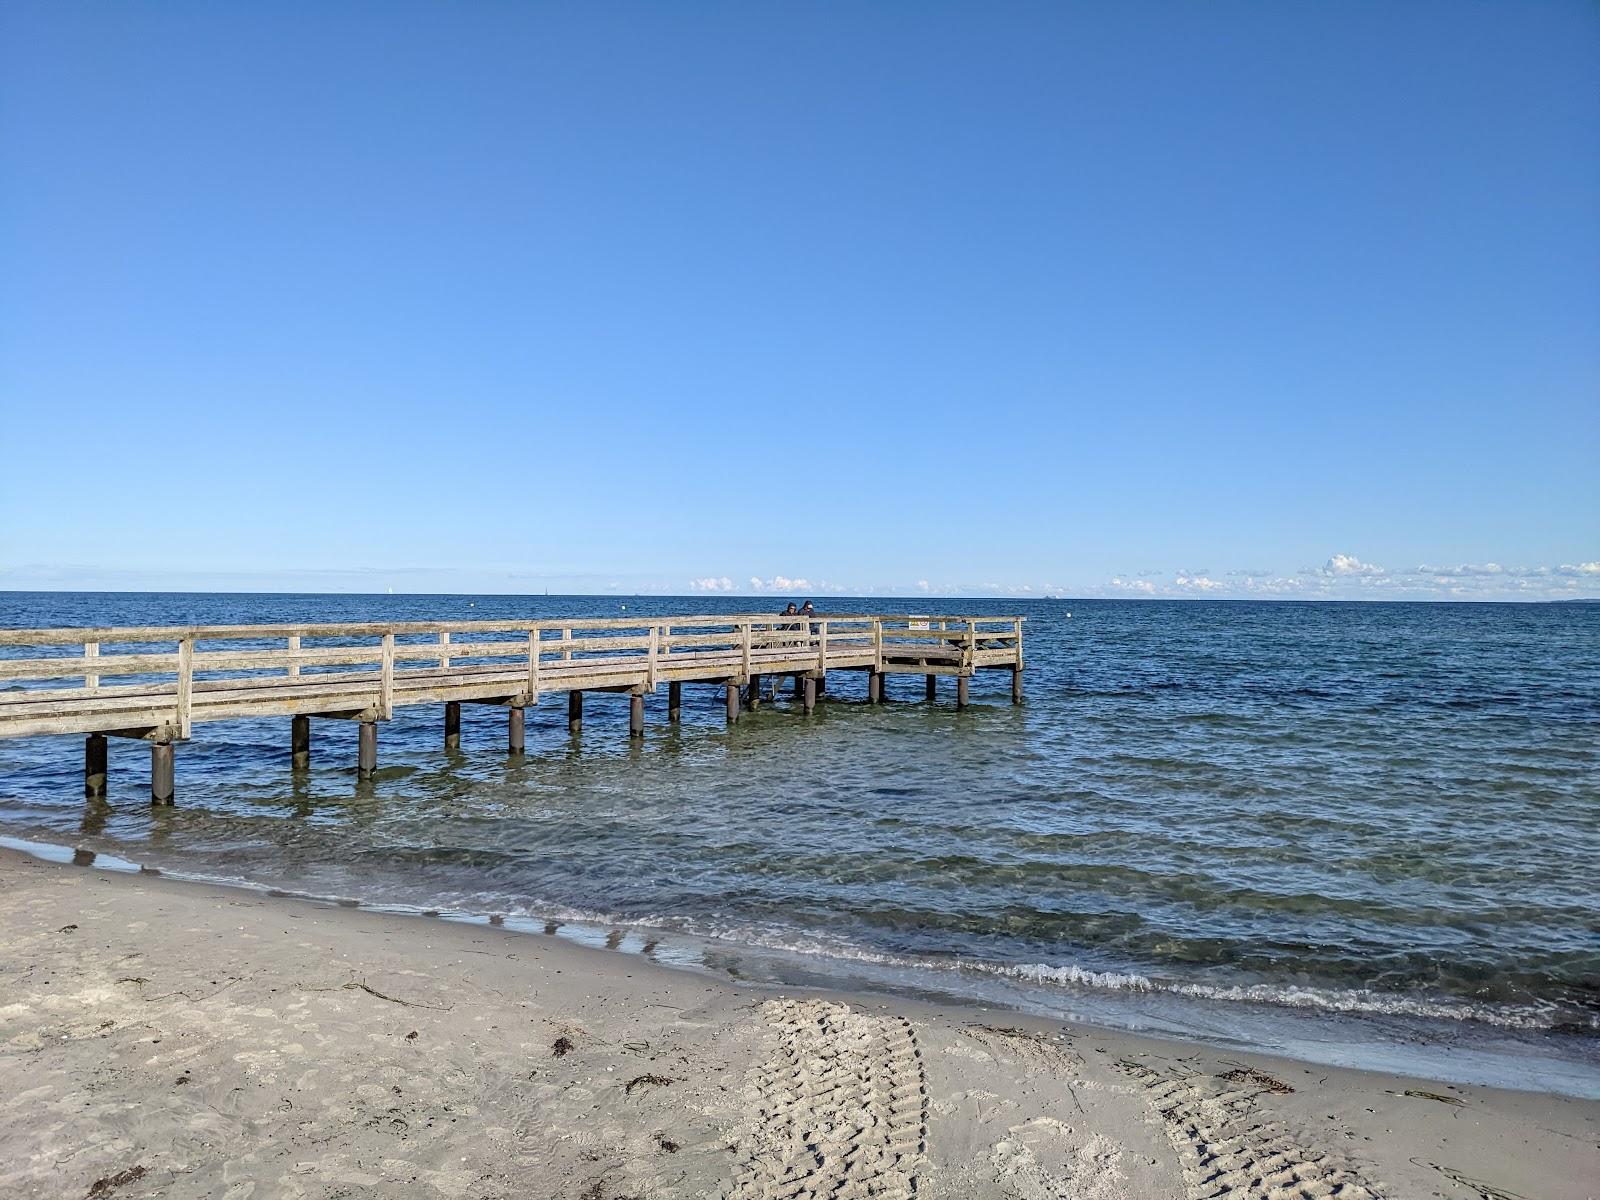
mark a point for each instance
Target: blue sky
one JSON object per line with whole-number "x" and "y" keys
{"x": 1167, "y": 299}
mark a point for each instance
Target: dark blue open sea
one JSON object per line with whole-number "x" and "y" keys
{"x": 1363, "y": 833}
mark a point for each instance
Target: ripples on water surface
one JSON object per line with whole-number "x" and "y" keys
{"x": 1368, "y": 807}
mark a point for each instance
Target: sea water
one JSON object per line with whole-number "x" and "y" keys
{"x": 1363, "y": 833}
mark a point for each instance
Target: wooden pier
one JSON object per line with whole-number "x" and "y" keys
{"x": 156, "y": 683}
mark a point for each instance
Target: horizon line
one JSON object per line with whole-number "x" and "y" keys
{"x": 923, "y": 596}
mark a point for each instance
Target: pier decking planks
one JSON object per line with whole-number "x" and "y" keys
{"x": 157, "y": 682}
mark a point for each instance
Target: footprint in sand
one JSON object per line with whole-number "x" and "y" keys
{"x": 1042, "y": 1159}
{"x": 1034, "y": 1051}
{"x": 840, "y": 1108}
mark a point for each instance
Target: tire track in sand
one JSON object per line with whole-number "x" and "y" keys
{"x": 840, "y": 1109}
{"x": 1230, "y": 1150}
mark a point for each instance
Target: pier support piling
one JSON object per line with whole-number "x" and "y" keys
{"x": 367, "y": 750}
{"x": 161, "y": 788}
{"x": 300, "y": 743}
{"x": 740, "y": 653}
{"x": 94, "y": 765}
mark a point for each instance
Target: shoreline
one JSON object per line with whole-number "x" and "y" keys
{"x": 219, "y": 1040}
{"x": 1454, "y": 1049}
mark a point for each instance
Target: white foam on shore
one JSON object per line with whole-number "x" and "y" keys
{"x": 1070, "y": 975}
{"x": 1352, "y": 1001}
{"x": 1356, "y": 1001}
{"x": 817, "y": 946}
{"x": 1344, "y": 1000}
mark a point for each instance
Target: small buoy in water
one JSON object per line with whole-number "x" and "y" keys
{"x": 1069, "y": 616}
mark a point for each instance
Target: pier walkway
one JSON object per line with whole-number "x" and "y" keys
{"x": 156, "y": 683}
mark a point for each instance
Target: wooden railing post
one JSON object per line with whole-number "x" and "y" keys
{"x": 185, "y": 684}
{"x": 612, "y": 653}
{"x": 533, "y": 665}
{"x": 386, "y": 699}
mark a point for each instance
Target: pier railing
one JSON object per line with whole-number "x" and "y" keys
{"x": 160, "y": 679}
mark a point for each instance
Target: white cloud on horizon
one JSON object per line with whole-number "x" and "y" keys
{"x": 755, "y": 583}
{"x": 1195, "y": 583}
{"x": 1348, "y": 565}
{"x": 1142, "y": 586}
{"x": 1473, "y": 571}
{"x": 1348, "y": 577}
{"x": 1343, "y": 576}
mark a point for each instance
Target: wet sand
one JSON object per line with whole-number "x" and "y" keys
{"x": 176, "y": 1039}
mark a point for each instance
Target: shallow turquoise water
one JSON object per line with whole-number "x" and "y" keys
{"x": 1376, "y": 809}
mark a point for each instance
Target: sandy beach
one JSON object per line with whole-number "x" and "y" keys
{"x": 169, "y": 1038}
{"x": 799, "y": 601}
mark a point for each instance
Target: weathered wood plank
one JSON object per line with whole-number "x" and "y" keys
{"x": 185, "y": 685}
{"x": 709, "y": 665}
{"x": 78, "y": 635}
{"x": 500, "y": 662}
